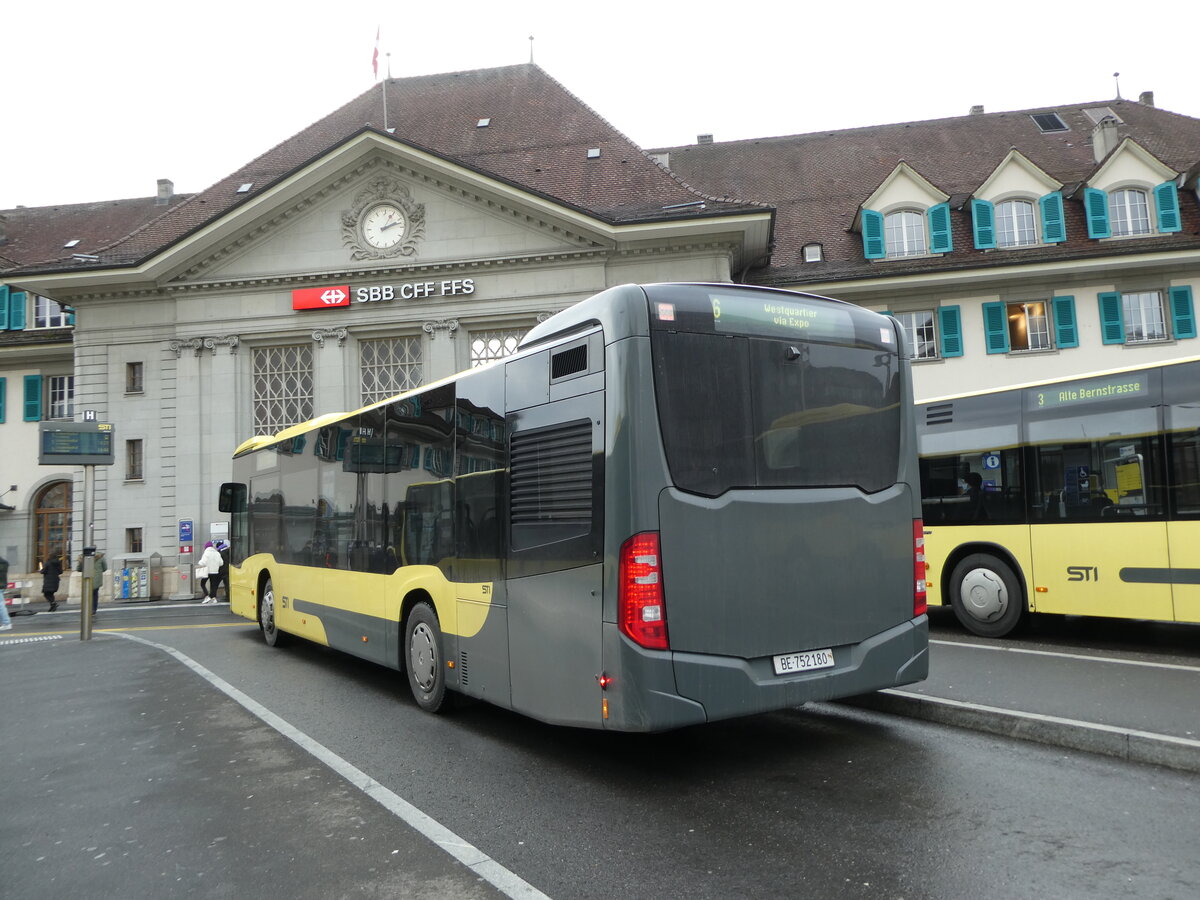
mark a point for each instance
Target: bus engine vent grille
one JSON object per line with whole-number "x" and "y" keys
{"x": 551, "y": 474}
{"x": 569, "y": 362}
{"x": 939, "y": 414}
{"x": 462, "y": 667}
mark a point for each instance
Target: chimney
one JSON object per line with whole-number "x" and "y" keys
{"x": 1146, "y": 98}
{"x": 166, "y": 190}
{"x": 977, "y": 110}
{"x": 1104, "y": 138}
{"x": 704, "y": 139}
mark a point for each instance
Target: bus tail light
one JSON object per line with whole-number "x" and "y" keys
{"x": 920, "y": 605}
{"x": 641, "y": 610}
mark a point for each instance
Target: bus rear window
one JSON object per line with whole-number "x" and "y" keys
{"x": 739, "y": 411}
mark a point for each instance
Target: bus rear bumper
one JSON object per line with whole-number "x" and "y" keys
{"x": 727, "y": 687}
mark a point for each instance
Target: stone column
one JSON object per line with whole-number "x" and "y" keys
{"x": 443, "y": 360}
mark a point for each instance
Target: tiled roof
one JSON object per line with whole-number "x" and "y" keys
{"x": 40, "y": 234}
{"x": 538, "y": 139}
{"x": 817, "y": 182}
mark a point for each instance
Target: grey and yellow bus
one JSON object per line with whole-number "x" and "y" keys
{"x": 1077, "y": 497}
{"x": 674, "y": 504}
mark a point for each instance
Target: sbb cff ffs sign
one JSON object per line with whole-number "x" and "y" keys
{"x": 341, "y": 295}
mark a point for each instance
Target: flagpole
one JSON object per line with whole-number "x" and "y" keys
{"x": 385, "y": 81}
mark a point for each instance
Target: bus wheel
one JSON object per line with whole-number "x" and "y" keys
{"x": 986, "y": 596}
{"x": 426, "y": 675}
{"x": 266, "y": 616}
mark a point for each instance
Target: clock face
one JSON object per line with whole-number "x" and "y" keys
{"x": 383, "y": 226}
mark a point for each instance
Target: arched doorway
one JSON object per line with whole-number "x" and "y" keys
{"x": 52, "y": 523}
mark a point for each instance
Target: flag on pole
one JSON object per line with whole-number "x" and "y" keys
{"x": 375, "y": 55}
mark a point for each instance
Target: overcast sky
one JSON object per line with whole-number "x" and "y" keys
{"x": 103, "y": 99}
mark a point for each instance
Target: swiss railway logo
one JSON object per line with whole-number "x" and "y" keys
{"x": 321, "y": 297}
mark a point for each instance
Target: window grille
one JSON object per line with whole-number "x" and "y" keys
{"x": 283, "y": 387}
{"x": 389, "y": 366}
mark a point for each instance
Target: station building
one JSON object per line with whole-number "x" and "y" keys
{"x": 426, "y": 225}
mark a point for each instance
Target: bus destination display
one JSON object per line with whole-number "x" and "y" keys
{"x": 1080, "y": 393}
{"x": 781, "y": 318}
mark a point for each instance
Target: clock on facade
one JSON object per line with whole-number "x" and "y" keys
{"x": 383, "y": 225}
{"x": 384, "y": 221}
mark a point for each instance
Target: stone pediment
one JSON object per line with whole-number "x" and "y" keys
{"x": 434, "y": 221}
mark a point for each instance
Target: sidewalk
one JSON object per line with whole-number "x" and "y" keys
{"x": 1111, "y": 703}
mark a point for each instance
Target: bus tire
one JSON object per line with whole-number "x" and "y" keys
{"x": 266, "y": 617}
{"x": 986, "y": 595}
{"x": 424, "y": 662}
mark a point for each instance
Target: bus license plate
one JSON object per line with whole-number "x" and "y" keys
{"x": 791, "y": 663}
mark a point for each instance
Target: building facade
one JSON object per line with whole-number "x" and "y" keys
{"x": 365, "y": 256}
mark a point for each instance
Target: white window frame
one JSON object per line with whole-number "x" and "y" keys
{"x": 49, "y": 313}
{"x": 60, "y": 396}
{"x": 921, "y": 336}
{"x": 1016, "y": 223}
{"x": 904, "y": 234}
{"x": 1129, "y": 212}
{"x": 1145, "y": 317}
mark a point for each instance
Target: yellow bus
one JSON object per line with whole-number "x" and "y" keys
{"x": 1077, "y": 497}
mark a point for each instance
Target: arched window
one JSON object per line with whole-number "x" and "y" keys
{"x": 52, "y": 522}
{"x": 904, "y": 234}
{"x": 1128, "y": 212}
{"x": 1016, "y": 224}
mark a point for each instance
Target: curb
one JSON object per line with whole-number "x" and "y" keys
{"x": 1124, "y": 743}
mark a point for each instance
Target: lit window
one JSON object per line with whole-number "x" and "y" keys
{"x": 1128, "y": 212}
{"x": 1028, "y": 326}
{"x": 904, "y": 234}
{"x": 1144, "y": 319}
{"x": 920, "y": 333}
{"x": 1016, "y": 225}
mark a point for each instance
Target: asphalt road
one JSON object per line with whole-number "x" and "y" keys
{"x": 826, "y": 800}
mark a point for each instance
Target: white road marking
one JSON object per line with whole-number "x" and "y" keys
{"x": 1082, "y": 656}
{"x": 470, "y": 856}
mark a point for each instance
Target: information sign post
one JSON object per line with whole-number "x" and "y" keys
{"x": 88, "y": 444}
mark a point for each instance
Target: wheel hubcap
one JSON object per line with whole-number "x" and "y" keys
{"x": 984, "y": 595}
{"x": 422, "y": 656}
{"x": 268, "y": 611}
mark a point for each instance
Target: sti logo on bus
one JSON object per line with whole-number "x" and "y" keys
{"x": 1083, "y": 573}
{"x": 321, "y": 297}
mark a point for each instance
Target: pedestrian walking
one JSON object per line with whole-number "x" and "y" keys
{"x": 209, "y": 572}
{"x": 51, "y": 578}
{"x": 5, "y": 621}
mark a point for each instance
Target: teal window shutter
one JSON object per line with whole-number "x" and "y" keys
{"x": 33, "y": 398}
{"x": 3, "y": 394}
{"x": 950, "y": 327}
{"x": 1066, "y": 331}
{"x": 1054, "y": 227}
{"x": 1183, "y": 314}
{"x": 872, "y": 234}
{"x": 983, "y": 217}
{"x": 995, "y": 327}
{"x": 1112, "y": 319}
{"x": 1095, "y": 204}
{"x": 940, "y": 238}
{"x": 16, "y": 311}
{"x": 1166, "y": 198}
{"x": 3, "y": 308}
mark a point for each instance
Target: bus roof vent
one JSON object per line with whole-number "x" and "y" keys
{"x": 939, "y": 414}
{"x": 569, "y": 362}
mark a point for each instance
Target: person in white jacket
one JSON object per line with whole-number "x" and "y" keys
{"x": 207, "y": 570}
